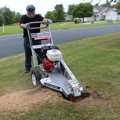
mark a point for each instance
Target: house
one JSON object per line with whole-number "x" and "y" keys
{"x": 100, "y": 13}
{"x": 103, "y": 13}
{"x": 111, "y": 15}
{"x": 68, "y": 17}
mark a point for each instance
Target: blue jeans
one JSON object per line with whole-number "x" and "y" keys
{"x": 28, "y": 53}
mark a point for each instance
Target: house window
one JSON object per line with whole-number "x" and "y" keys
{"x": 104, "y": 16}
{"x": 96, "y": 15}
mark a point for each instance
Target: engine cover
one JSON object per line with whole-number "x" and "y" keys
{"x": 48, "y": 65}
{"x": 54, "y": 55}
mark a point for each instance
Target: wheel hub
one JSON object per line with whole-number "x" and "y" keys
{"x": 33, "y": 79}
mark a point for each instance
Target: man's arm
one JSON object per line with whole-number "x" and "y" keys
{"x": 44, "y": 20}
{"x": 22, "y": 21}
{"x": 26, "y": 25}
{"x": 47, "y": 20}
{"x": 22, "y": 25}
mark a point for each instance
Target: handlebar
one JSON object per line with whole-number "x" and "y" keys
{"x": 38, "y": 22}
{"x": 34, "y": 28}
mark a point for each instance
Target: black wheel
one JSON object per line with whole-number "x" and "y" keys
{"x": 35, "y": 76}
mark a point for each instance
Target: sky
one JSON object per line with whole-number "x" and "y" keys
{"x": 42, "y": 6}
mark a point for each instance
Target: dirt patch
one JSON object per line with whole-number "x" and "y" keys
{"x": 94, "y": 95}
{"x": 24, "y": 100}
{"x": 90, "y": 96}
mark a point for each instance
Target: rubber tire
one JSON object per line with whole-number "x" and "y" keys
{"x": 37, "y": 76}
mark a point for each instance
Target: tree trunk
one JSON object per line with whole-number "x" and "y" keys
{"x": 83, "y": 19}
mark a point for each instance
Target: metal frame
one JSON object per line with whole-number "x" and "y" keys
{"x": 61, "y": 78}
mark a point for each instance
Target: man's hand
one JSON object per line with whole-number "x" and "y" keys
{"x": 26, "y": 25}
{"x": 49, "y": 21}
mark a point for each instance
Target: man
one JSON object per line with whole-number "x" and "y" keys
{"x": 25, "y": 19}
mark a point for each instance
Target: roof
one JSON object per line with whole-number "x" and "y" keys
{"x": 109, "y": 9}
{"x": 68, "y": 15}
{"x": 104, "y": 9}
{"x": 101, "y": 8}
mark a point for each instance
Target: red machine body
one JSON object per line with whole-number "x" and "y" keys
{"x": 48, "y": 65}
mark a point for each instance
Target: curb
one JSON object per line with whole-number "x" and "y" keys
{"x": 11, "y": 35}
{"x": 5, "y": 58}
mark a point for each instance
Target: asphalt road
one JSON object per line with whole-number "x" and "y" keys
{"x": 12, "y": 45}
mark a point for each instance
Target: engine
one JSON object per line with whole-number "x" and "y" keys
{"x": 50, "y": 54}
{"x": 48, "y": 65}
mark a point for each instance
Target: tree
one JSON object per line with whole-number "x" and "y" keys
{"x": 70, "y": 9}
{"x": 117, "y": 6}
{"x": 49, "y": 15}
{"x": 83, "y": 10}
{"x": 17, "y": 17}
{"x": 8, "y": 15}
{"x": 107, "y": 1}
{"x": 13, "y": 17}
{"x": 108, "y": 4}
{"x": 111, "y": 1}
{"x": 58, "y": 13}
{"x": 96, "y": 5}
{"x": 2, "y": 19}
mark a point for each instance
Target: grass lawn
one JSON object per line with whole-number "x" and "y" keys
{"x": 15, "y": 29}
{"x": 96, "y": 64}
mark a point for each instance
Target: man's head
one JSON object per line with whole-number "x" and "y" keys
{"x": 30, "y": 11}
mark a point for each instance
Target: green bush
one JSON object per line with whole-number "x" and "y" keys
{"x": 77, "y": 21}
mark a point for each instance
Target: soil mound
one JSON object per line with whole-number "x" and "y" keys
{"x": 24, "y": 100}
